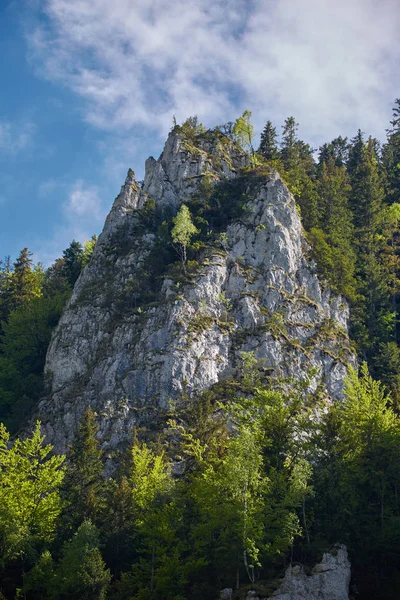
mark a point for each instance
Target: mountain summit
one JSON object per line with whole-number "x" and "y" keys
{"x": 144, "y": 328}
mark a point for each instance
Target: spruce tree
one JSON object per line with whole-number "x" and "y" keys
{"x": 337, "y": 149}
{"x": 268, "y": 146}
{"x": 299, "y": 173}
{"x": 73, "y": 261}
{"x": 83, "y": 483}
{"x": 333, "y": 188}
{"x": 82, "y": 572}
{"x": 289, "y": 144}
{"x": 26, "y": 281}
{"x": 391, "y": 156}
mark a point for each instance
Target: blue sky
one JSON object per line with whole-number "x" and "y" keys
{"x": 89, "y": 89}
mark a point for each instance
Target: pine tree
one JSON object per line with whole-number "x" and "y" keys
{"x": 82, "y": 572}
{"x": 391, "y": 156}
{"x": 367, "y": 192}
{"x": 23, "y": 350}
{"x": 337, "y": 149}
{"x": 83, "y": 483}
{"x": 333, "y": 240}
{"x": 5, "y": 290}
{"x": 289, "y": 144}
{"x": 268, "y": 145}
{"x": 298, "y": 162}
{"x": 26, "y": 281}
{"x": 373, "y": 317}
{"x": 73, "y": 261}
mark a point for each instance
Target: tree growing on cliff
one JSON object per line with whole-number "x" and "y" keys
{"x": 243, "y": 131}
{"x": 182, "y": 232}
{"x": 268, "y": 146}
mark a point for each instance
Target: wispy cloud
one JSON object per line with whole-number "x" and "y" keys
{"x": 83, "y": 203}
{"x": 332, "y": 65}
{"x": 15, "y": 136}
{"x": 84, "y": 211}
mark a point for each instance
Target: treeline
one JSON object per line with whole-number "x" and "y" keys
{"x": 31, "y": 302}
{"x": 220, "y": 499}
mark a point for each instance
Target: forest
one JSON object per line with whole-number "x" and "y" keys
{"x": 272, "y": 473}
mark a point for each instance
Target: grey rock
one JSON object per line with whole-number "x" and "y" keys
{"x": 258, "y": 292}
{"x": 329, "y": 579}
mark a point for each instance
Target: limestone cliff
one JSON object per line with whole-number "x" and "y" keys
{"x": 134, "y": 337}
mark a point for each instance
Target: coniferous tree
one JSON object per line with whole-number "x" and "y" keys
{"x": 372, "y": 316}
{"x": 289, "y": 144}
{"x": 23, "y": 350}
{"x": 84, "y": 483}
{"x": 299, "y": 166}
{"x": 337, "y": 149}
{"x": 5, "y": 289}
{"x": 73, "y": 261}
{"x": 26, "y": 281}
{"x": 391, "y": 156}
{"x": 333, "y": 239}
{"x": 268, "y": 144}
{"x": 82, "y": 572}
{"x": 367, "y": 192}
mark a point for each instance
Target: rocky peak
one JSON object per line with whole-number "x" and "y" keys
{"x": 138, "y": 331}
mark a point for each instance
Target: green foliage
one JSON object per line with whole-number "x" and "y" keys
{"x": 268, "y": 144}
{"x": 83, "y": 482}
{"x": 72, "y": 261}
{"x": 391, "y": 156}
{"x": 23, "y": 348}
{"x": 190, "y": 129}
{"x": 334, "y": 265}
{"x": 88, "y": 249}
{"x": 39, "y": 581}
{"x": 82, "y": 573}
{"x": 29, "y": 498}
{"x": 243, "y": 131}
{"x": 261, "y": 468}
{"x": 183, "y": 231}
{"x": 357, "y": 478}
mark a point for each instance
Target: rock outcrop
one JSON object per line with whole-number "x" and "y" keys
{"x": 128, "y": 352}
{"x": 329, "y": 579}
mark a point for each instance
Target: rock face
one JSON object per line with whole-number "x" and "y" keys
{"x": 329, "y": 580}
{"x": 254, "y": 290}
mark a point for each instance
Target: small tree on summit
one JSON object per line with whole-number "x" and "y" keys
{"x": 243, "y": 131}
{"x": 183, "y": 231}
{"x": 268, "y": 146}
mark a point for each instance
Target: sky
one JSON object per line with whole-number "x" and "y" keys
{"x": 89, "y": 88}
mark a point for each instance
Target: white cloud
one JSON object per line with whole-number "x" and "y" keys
{"x": 84, "y": 213}
{"x": 15, "y": 137}
{"x": 332, "y": 65}
{"x": 83, "y": 203}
